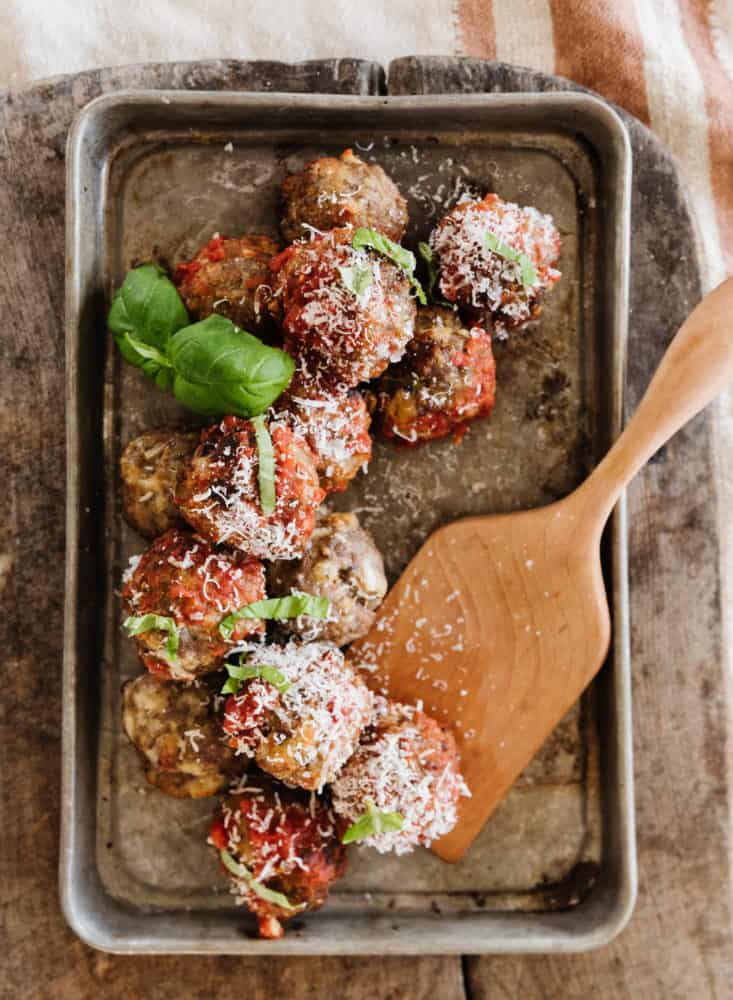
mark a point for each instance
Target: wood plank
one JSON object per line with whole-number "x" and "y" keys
{"x": 678, "y": 943}
{"x": 42, "y": 958}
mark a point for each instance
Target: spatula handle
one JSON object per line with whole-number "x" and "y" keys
{"x": 697, "y": 365}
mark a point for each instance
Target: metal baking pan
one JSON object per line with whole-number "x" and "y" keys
{"x": 153, "y": 173}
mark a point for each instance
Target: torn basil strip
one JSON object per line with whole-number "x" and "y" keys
{"x": 266, "y": 464}
{"x": 372, "y": 823}
{"x": 136, "y": 625}
{"x": 278, "y": 609}
{"x": 238, "y": 673}
{"x": 260, "y": 890}
{"x": 373, "y": 240}
{"x": 501, "y": 249}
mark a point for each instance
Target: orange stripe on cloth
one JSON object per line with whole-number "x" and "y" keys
{"x": 475, "y": 28}
{"x": 598, "y": 44}
{"x": 719, "y": 108}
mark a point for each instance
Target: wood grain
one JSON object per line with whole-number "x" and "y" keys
{"x": 678, "y": 944}
{"x": 514, "y": 610}
{"x": 516, "y": 624}
{"x": 41, "y": 957}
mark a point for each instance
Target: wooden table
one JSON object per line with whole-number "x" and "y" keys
{"x": 678, "y": 944}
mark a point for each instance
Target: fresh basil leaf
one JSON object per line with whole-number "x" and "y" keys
{"x": 223, "y": 370}
{"x": 273, "y": 676}
{"x": 278, "y": 609}
{"x": 148, "y": 310}
{"x": 372, "y": 823}
{"x": 529, "y": 275}
{"x": 357, "y": 279}
{"x": 374, "y": 240}
{"x": 265, "y": 466}
{"x": 429, "y": 258}
{"x": 431, "y": 268}
{"x": 269, "y": 895}
{"x": 390, "y": 821}
{"x": 146, "y": 623}
{"x": 231, "y": 686}
{"x": 152, "y": 361}
{"x": 360, "y": 830}
{"x": 260, "y": 671}
{"x": 501, "y": 249}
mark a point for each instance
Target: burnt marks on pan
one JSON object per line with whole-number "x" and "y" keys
{"x": 573, "y": 889}
{"x": 551, "y": 399}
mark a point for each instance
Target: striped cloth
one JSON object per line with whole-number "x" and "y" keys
{"x": 669, "y": 62}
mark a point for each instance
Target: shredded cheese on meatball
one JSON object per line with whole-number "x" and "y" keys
{"x": 309, "y": 730}
{"x": 474, "y": 275}
{"x": 230, "y": 508}
{"x": 395, "y": 768}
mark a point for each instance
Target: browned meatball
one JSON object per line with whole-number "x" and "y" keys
{"x": 302, "y": 728}
{"x": 446, "y": 379}
{"x": 336, "y": 426}
{"x": 219, "y": 492}
{"x": 149, "y": 468}
{"x": 332, "y": 192}
{"x": 194, "y": 587}
{"x": 337, "y": 335}
{"x": 175, "y": 729}
{"x": 280, "y": 848}
{"x": 342, "y": 563}
{"x": 478, "y": 245}
{"x": 229, "y": 277}
{"x": 406, "y": 764}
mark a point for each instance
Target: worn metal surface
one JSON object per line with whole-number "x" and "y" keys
{"x": 678, "y": 942}
{"x": 151, "y": 174}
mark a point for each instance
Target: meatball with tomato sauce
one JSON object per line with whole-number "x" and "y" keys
{"x": 149, "y": 468}
{"x": 219, "y": 492}
{"x": 280, "y": 848}
{"x": 229, "y": 277}
{"x": 300, "y": 716}
{"x": 332, "y": 192}
{"x": 341, "y": 563}
{"x": 497, "y": 259}
{"x": 407, "y": 765}
{"x": 175, "y": 729}
{"x": 336, "y": 427}
{"x": 177, "y": 594}
{"x": 345, "y": 313}
{"x": 446, "y": 379}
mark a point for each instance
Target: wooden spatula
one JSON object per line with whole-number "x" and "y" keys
{"x": 499, "y": 623}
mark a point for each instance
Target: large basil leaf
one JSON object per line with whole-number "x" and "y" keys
{"x": 147, "y": 309}
{"x": 221, "y": 369}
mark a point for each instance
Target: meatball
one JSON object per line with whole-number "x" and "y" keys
{"x": 194, "y": 586}
{"x": 345, "y": 313}
{"x": 176, "y": 731}
{"x": 406, "y": 764}
{"x": 333, "y": 192}
{"x": 343, "y": 564}
{"x": 446, "y": 379}
{"x": 149, "y": 467}
{"x": 229, "y": 277}
{"x": 303, "y": 723}
{"x": 219, "y": 491}
{"x": 336, "y": 427}
{"x": 281, "y": 849}
{"x": 490, "y": 279}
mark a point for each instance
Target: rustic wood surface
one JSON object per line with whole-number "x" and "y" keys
{"x": 678, "y": 943}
